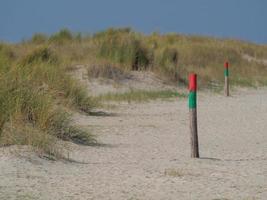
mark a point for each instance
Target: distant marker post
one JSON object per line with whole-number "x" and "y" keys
{"x": 192, "y": 102}
{"x": 226, "y": 79}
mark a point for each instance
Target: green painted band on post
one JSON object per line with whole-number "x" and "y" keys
{"x": 226, "y": 72}
{"x": 192, "y": 99}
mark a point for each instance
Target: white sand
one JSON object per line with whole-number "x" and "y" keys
{"x": 147, "y": 155}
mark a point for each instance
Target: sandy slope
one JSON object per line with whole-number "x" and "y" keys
{"x": 134, "y": 80}
{"x": 145, "y": 155}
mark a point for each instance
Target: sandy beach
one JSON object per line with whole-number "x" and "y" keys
{"x": 145, "y": 154}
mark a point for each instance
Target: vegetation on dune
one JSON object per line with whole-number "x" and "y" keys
{"x": 171, "y": 56}
{"x": 36, "y": 88}
{"x": 140, "y": 95}
{"x": 33, "y": 89}
{"x": 124, "y": 47}
{"x": 166, "y": 63}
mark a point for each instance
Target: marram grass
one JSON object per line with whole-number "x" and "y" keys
{"x": 35, "y": 82}
{"x": 33, "y": 90}
{"x": 140, "y": 96}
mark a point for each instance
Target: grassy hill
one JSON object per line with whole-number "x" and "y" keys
{"x": 36, "y": 88}
{"x": 171, "y": 56}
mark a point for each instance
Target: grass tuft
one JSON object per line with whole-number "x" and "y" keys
{"x": 40, "y": 55}
{"x": 140, "y": 96}
{"x": 33, "y": 89}
{"x": 122, "y": 46}
{"x": 39, "y": 38}
{"x": 61, "y": 37}
{"x": 61, "y": 126}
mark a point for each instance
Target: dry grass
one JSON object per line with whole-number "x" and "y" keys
{"x": 35, "y": 81}
{"x": 140, "y": 96}
{"x": 34, "y": 86}
{"x": 171, "y": 56}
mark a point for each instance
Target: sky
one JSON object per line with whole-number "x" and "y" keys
{"x": 237, "y": 19}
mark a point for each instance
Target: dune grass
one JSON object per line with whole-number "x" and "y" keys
{"x": 36, "y": 87}
{"x": 174, "y": 56}
{"x": 122, "y": 46}
{"x": 140, "y": 96}
{"x": 171, "y": 56}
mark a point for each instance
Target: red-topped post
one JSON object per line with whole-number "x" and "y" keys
{"x": 226, "y": 79}
{"x": 192, "y": 102}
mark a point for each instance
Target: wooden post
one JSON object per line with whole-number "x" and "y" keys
{"x": 193, "y": 115}
{"x": 226, "y": 79}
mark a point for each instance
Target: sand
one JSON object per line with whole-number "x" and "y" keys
{"x": 145, "y": 154}
{"x": 133, "y": 80}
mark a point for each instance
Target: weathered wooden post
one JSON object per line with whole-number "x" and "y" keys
{"x": 193, "y": 115}
{"x": 226, "y": 79}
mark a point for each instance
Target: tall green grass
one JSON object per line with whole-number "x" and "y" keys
{"x": 124, "y": 47}
{"x": 166, "y": 63}
{"x": 140, "y": 96}
{"x": 32, "y": 87}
